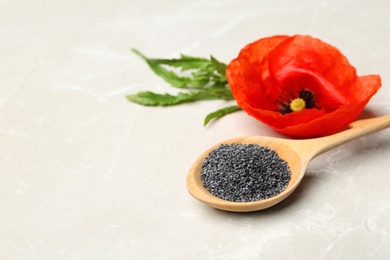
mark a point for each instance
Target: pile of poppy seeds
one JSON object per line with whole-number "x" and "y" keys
{"x": 244, "y": 172}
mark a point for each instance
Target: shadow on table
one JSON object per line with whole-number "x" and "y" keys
{"x": 370, "y": 148}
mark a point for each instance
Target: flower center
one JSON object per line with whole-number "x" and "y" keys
{"x": 297, "y": 104}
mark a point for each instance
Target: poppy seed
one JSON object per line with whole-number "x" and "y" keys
{"x": 244, "y": 172}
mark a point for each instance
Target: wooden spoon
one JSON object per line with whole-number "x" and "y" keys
{"x": 297, "y": 153}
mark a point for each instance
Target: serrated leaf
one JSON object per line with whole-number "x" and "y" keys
{"x": 222, "y": 91}
{"x": 220, "y": 113}
{"x": 169, "y": 76}
{"x": 205, "y": 78}
{"x": 148, "y": 98}
{"x": 184, "y": 63}
{"x": 189, "y": 62}
{"x": 219, "y": 66}
{"x": 204, "y": 71}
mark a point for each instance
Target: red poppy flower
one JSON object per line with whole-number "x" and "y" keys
{"x": 299, "y": 85}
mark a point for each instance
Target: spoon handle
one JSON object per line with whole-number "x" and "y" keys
{"x": 314, "y": 147}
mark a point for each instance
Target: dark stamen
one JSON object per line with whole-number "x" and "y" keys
{"x": 308, "y": 97}
{"x": 284, "y": 105}
{"x": 285, "y": 108}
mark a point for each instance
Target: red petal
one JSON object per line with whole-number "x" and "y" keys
{"x": 306, "y": 57}
{"x": 327, "y": 124}
{"x": 272, "y": 65}
{"x": 248, "y": 74}
{"x": 332, "y": 122}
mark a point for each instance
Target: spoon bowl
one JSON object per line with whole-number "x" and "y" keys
{"x": 297, "y": 153}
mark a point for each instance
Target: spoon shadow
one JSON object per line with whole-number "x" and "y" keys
{"x": 307, "y": 184}
{"x": 298, "y": 153}
{"x": 313, "y": 179}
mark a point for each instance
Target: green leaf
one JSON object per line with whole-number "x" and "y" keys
{"x": 220, "y": 113}
{"x": 186, "y": 62}
{"x": 148, "y": 98}
{"x": 222, "y": 91}
{"x": 205, "y": 78}
{"x": 219, "y": 66}
{"x": 203, "y": 70}
{"x": 169, "y": 76}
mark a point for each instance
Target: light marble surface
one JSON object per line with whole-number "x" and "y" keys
{"x": 85, "y": 174}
